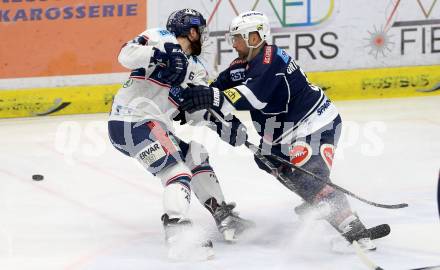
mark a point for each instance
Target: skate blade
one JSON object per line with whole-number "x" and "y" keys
{"x": 210, "y": 254}
{"x": 229, "y": 236}
{"x": 340, "y": 245}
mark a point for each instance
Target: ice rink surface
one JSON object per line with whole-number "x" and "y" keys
{"x": 97, "y": 209}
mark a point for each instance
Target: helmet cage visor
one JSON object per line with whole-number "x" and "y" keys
{"x": 204, "y": 33}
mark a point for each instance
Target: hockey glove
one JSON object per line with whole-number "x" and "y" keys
{"x": 180, "y": 117}
{"x": 173, "y": 64}
{"x": 230, "y": 130}
{"x": 201, "y": 97}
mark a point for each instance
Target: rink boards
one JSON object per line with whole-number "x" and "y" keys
{"x": 339, "y": 85}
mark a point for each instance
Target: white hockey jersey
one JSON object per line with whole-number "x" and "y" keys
{"x": 143, "y": 96}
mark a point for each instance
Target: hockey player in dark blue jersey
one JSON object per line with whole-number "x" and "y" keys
{"x": 294, "y": 118}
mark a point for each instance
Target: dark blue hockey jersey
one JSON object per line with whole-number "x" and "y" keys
{"x": 278, "y": 95}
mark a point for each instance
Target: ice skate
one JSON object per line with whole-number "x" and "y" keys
{"x": 352, "y": 229}
{"x": 229, "y": 223}
{"x": 184, "y": 242}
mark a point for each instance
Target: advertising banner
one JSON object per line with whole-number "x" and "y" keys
{"x": 327, "y": 35}
{"x": 62, "y": 54}
{"x": 66, "y": 37}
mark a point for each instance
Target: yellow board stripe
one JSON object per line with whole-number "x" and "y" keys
{"x": 56, "y": 101}
{"x": 339, "y": 85}
{"x": 379, "y": 83}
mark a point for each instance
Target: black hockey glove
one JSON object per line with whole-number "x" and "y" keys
{"x": 173, "y": 64}
{"x": 180, "y": 117}
{"x": 201, "y": 97}
{"x": 231, "y": 130}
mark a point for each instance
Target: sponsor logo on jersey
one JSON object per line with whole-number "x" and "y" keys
{"x": 237, "y": 74}
{"x": 324, "y": 107}
{"x": 187, "y": 193}
{"x": 152, "y": 153}
{"x": 238, "y": 61}
{"x": 267, "y": 59}
{"x": 216, "y": 94}
{"x": 282, "y": 53}
{"x": 300, "y": 153}
{"x": 291, "y": 67}
{"x": 327, "y": 153}
{"x": 123, "y": 110}
{"x": 232, "y": 94}
{"x": 164, "y": 32}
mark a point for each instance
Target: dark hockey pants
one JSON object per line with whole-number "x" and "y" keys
{"x": 313, "y": 153}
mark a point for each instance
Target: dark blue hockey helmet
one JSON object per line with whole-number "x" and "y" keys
{"x": 181, "y": 21}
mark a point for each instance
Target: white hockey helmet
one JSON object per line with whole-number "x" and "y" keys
{"x": 247, "y": 22}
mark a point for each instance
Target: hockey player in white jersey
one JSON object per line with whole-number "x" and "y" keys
{"x": 140, "y": 123}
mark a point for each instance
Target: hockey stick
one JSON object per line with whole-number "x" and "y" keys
{"x": 361, "y": 254}
{"x": 372, "y": 266}
{"x": 257, "y": 151}
{"x": 437, "y": 267}
{"x": 260, "y": 155}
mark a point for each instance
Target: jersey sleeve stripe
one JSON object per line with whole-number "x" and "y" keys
{"x": 227, "y": 107}
{"x": 159, "y": 83}
{"x": 250, "y": 97}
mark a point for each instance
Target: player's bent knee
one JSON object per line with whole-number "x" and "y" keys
{"x": 177, "y": 194}
{"x": 196, "y": 155}
{"x": 156, "y": 159}
{"x": 176, "y": 201}
{"x": 175, "y": 173}
{"x": 307, "y": 187}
